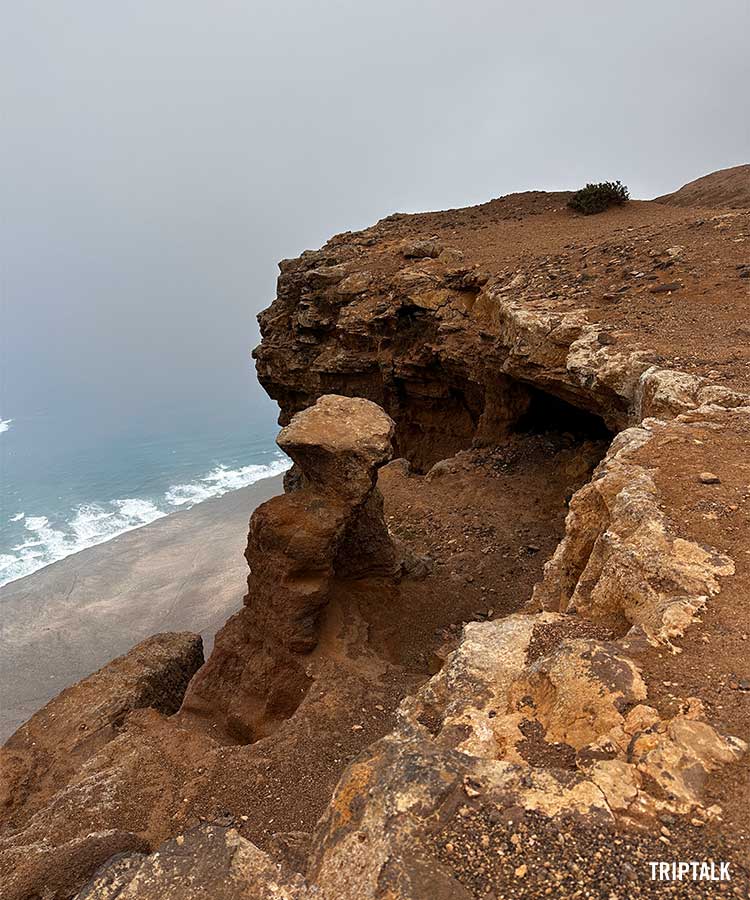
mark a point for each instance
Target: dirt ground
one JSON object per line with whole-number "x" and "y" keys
{"x": 480, "y": 531}
{"x": 616, "y": 265}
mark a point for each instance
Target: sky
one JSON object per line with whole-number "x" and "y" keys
{"x": 159, "y": 156}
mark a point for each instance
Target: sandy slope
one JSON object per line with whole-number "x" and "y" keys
{"x": 184, "y": 572}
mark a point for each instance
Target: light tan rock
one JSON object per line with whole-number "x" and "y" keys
{"x": 338, "y": 444}
{"x": 578, "y": 692}
{"x": 205, "y": 862}
{"x": 620, "y": 563}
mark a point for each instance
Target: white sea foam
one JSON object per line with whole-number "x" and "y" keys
{"x": 221, "y": 480}
{"x": 5, "y": 424}
{"x": 94, "y": 523}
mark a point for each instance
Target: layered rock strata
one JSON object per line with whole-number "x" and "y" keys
{"x": 455, "y": 355}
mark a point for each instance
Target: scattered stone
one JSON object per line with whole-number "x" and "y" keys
{"x": 665, "y": 288}
{"x": 519, "y": 281}
{"x": 709, "y": 478}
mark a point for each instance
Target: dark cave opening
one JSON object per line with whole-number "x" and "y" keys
{"x": 437, "y": 418}
{"x": 547, "y": 413}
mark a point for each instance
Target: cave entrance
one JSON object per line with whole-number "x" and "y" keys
{"x": 439, "y": 417}
{"x": 547, "y": 414}
{"x": 486, "y": 518}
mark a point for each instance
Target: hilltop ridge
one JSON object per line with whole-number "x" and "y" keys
{"x": 727, "y": 187}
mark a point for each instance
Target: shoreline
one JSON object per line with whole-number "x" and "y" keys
{"x": 183, "y": 572}
{"x": 31, "y": 542}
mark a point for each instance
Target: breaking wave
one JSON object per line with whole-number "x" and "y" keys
{"x": 5, "y": 424}
{"x": 221, "y": 480}
{"x": 43, "y": 542}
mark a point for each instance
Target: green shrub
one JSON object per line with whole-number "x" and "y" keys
{"x": 595, "y": 198}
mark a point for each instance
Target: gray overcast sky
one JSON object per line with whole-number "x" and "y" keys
{"x": 159, "y": 156}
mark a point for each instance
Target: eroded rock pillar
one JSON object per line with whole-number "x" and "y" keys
{"x": 330, "y": 527}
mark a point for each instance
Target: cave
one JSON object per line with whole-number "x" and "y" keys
{"x": 491, "y": 513}
{"x": 547, "y": 413}
{"x": 440, "y": 416}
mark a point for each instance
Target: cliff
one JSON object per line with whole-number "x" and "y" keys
{"x": 511, "y": 662}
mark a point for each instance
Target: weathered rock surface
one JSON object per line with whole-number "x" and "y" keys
{"x": 205, "y": 862}
{"x": 450, "y": 348}
{"x": 583, "y": 731}
{"x": 330, "y": 527}
{"x": 620, "y": 563}
{"x": 43, "y": 755}
{"x": 40, "y": 870}
{"x": 120, "y": 799}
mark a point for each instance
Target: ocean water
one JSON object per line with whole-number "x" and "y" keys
{"x": 69, "y": 483}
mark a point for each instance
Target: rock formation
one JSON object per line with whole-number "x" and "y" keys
{"x": 512, "y": 663}
{"x": 56, "y": 788}
{"x": 330, "y": 527}
{"x": 46, "y": 751}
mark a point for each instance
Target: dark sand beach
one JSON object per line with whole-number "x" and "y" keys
{"x": 185, "y": 572}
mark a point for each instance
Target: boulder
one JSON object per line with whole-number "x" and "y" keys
{"x": 44, "y": 753}
{"x": 338, "y": 444}
{"x": 204, "y": 862}
{"x": 427, "y": 249}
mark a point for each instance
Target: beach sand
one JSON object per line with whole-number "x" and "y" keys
{"x": 185, "y": 572}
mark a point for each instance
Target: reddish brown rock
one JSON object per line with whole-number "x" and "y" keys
{"x": 329, "y": 528}
{"x": 546, "y": 737}
{"x": 45, "y": 752}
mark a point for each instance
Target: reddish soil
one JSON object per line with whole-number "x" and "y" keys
{"x": 727, "y": 187}
{"x": 610, "y": 263}
{"x": 488, "y": 524}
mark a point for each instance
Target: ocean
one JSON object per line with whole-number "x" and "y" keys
{"x": 70, "y": 482}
